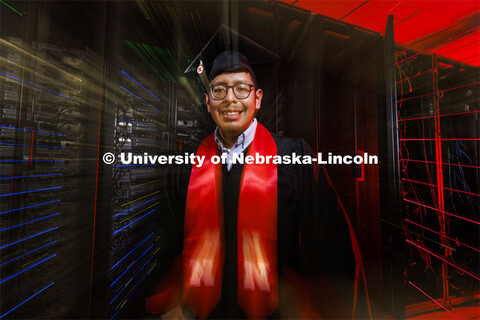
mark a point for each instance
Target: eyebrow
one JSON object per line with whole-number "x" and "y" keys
{"x": 234, "y": 83}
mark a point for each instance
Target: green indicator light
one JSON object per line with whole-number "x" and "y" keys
{"x": 21, "y": 14}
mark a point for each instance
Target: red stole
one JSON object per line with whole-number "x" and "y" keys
{"x": 203, "y": 252}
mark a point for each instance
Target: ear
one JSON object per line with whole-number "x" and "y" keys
{"x": 258, "y": 98}
{"x": 206, "y": 98}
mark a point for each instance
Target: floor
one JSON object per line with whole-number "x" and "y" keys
{"x": 461, "y": 313}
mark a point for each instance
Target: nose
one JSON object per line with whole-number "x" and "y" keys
{"x": 230, "y": 97}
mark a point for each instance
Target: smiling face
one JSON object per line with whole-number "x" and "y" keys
{"x": 232, "y": 115}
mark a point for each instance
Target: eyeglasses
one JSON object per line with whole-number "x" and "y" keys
{"x": 240, "y": 90}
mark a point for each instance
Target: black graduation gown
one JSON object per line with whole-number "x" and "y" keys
{"x": 313, "y": 236}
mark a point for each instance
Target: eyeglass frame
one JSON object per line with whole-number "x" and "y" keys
{"x": 251, "y": 85}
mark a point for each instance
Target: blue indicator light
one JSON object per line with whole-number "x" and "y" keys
{"x": 133, "y": 94}
{"x": 35, "y": 176}
{"x": 21, "y": 224}
{"x": 131, "y": 251}
{"x": 133, "y": 207}
{"x": 146, "y": 214}
{"x": 123, "y": 288}
{"x": 131, "y": 265}
{"x": 137, "y": 285}
{"x": 28, "y": 253}
{"x": 22, "y": 271}
{"x": 58, "y": 94}
{"x": 37, "y": 131}
{"x": 29, "y": 237}
{"x": 35, "y": 205}
{"x": 135, "y": 165}
{"x": 23, "y": 192}
{"x": 140, "y": 85}
{"x": 35, "y": 160}
{"x": 29, "y": 145}
{"x": 41, "y": 290}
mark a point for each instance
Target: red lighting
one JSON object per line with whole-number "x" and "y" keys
{"x": 448, "y": 213}
{"x": 374, "y": 14}
{"x": 443, "y": 139}
{"x": 260, "y": 12}
{"x": 422, "y": 95}
{"x": 417, "y": 75}
{"x": 429, "y": 94}
{"x": 443, "y": 42}
{"x": 432, "y": 185}
{"x": 456, "y": 241}
{"x": 445, "y": 260}
{"x": 445, "y": 65}
{"x": 466, "y": 46}
{"x": 468, "y": 42}
{"x": 442, "y": 115}
{"x": 433, "y": 300}
{"x": 426, "y": 24}
{"x": 31, "y": 145}
{"x": 467, "y": 85}
{"x": 473, "y": 61}
{"x": 436, "y": 26}
{"x": 445, "y": 164}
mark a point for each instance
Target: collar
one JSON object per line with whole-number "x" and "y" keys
{"x": 243, "y": 140}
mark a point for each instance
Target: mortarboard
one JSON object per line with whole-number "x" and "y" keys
{"x": 239, "y": 46}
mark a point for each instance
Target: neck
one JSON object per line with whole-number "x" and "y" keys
{"x": 228, "y": 140}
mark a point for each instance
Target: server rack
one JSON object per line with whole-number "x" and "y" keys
{"x": 45, "y": 88}
{"x": 438, "y": 108}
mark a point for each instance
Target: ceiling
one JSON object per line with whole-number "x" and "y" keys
{"x": 450, "y": 28}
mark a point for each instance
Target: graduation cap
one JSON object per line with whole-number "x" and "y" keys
{"x": 228, "y": 48}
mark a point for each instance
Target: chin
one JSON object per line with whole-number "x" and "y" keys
{"x": 231, "y": 130}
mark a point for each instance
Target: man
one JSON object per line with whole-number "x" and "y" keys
{"x": 259, "y": 240}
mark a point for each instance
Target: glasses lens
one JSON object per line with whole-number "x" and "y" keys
{"x": 219, "y": 92}
{"x": 241, "y": 90}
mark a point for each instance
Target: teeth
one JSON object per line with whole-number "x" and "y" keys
{"x": 232, "y": 113}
